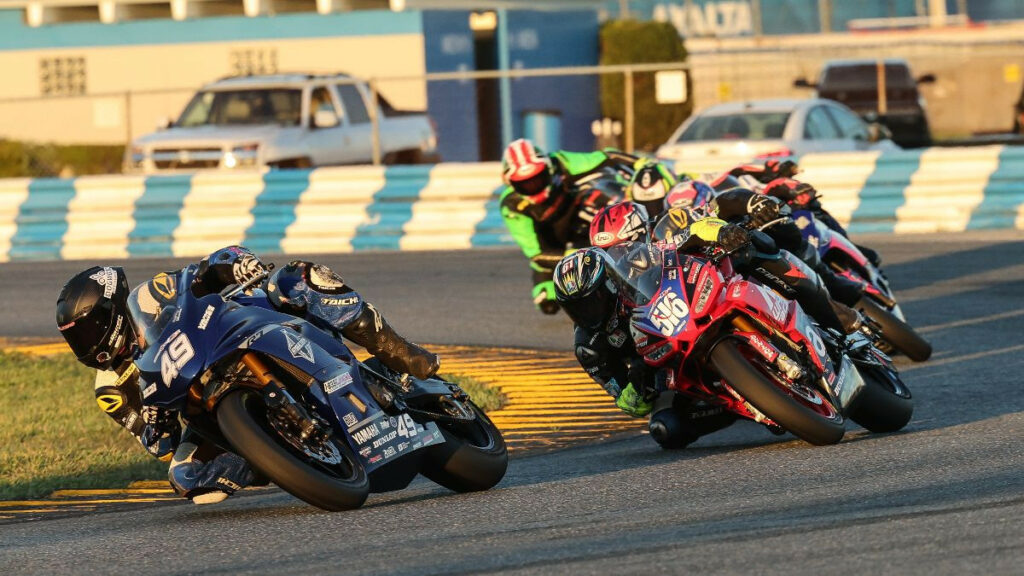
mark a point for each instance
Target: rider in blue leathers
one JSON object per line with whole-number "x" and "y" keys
{"x": 92, "y": 315}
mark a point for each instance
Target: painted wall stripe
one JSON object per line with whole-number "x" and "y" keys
{"x": 882, "y": 193}
{"x": 42, "y": 220}
{"x": 275, "y": 209}
{"x": 448, "y": 207}
{"x": 331, "y": 209}
{"x": 948, "y": 185}
{"x": 840, "y": 178}
{"x": 216, "y": 212}
{"x": 100, "y": 217}
{"x": 391, "y": 208}
{"x": 1004, "y": 193}
{"x": 13, "y": 193}
{"x": 156, "y": 215}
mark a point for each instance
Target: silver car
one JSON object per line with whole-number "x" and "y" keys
{"x": 734, "y": 132}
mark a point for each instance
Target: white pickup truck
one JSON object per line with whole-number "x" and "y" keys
{"x": 283, "y": 121}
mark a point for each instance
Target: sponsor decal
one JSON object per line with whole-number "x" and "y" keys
{"x": 673, "y": 274}
{"x": 617, "y": 338}
{"x": 364, "y": 452}
{"x": 163, "y": 285}
{"x": 366, "y": 434}
{"x": 737, "y": 290}
{"x": 349, "y": 419}
{"x": 385, "y": 439}
{"x": 669, "y": 313}
{"x": 176, "y": 355}
{"x": 691, "y": 278}
{"x": 130, "y": 420}
{"x": 225, "y": 482}
{"x": 603, "y": 238}
{"x": 704, "y": 295}
{"x": 777, "y": 307}
{"x": 337, "y": 383}
{"x": 254, "y": 337}
{"x": 109, "y": 403}
{"x": 339, "y": 301}
{"x": 402, "y": 446}
{"x": 66, "y": 326}
{"x": 116, "y": 333}
{"x": 375, "y": 459}
{"x": 128, "y": 373}
{"x": 207, "y": 314}
{"x": 298, "y": 346}
{"x": 763, "y": 347}
{"x": 149, "y": 390}
{"x": 107, "y": 278}
{"x": 389, "y": 452}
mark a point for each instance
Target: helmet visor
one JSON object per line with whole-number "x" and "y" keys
{"x": 534, "y": 186}
{"x": 591, "y": 311}
{"x": 87, "y": 334}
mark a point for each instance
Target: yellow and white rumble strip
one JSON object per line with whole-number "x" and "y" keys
{"x": 551, "y": 404}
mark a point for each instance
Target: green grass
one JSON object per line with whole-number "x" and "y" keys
{"x": 53, "y": 436}
{"x": 484, "y": 396}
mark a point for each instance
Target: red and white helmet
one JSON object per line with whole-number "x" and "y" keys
{"x": 618, "y": 223}
{"x": 527, "y": 169}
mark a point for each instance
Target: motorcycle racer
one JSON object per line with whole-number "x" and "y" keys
{"x": 605, "y": 349}
{"x": 547, "y": 204}
{"x": 95, "y": 313}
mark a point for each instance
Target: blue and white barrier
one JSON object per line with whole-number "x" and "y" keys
{"x": 448, "y": 206}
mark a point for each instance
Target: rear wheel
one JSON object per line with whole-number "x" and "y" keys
{"x": 884, "y": 404}
{"x": 324, "y": 472}
{"x": 896, "y": 332}
{"x": 806, "y": 412}
{"x": 473, "y": 456}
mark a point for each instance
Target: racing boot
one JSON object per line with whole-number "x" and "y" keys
{"x": 678, "y": 421}
{"x": 371, "y": 331}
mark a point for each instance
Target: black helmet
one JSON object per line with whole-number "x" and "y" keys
{"x": 584, "y": 289}
{"x": 92, "y": 315}
{"x": 650, "y": 185}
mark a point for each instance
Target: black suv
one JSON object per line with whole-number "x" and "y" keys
{"x": 881, "y": 91}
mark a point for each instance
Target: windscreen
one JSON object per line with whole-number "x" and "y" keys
{"x": 861, "y": 76}
{"x": 282, "y": 106}
{"x": 148, "y": 316}
{"x": 740, "y": 126}
{"x": 637, "y": 270}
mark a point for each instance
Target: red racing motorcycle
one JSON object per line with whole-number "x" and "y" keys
{"x": 734, "y": 343}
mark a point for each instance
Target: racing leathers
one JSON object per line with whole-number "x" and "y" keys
{"x": 199, "y": 469}
{"x": 740, "y": 204}
{"x": 545, "y": 231}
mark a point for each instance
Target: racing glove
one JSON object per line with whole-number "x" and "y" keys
{"x": 763, "y": 210}
{"x": 633, "y": 403}
{"x": 161, "y": 433}
{"x": 732, "y": 237}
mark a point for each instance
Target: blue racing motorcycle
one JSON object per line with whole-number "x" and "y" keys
{"x": 292, "y": 400}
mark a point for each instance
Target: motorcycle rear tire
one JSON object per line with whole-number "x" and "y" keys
{"x": 879, "y": 407}
{"x": 241, "y": 422}
{"x": 464, "y": 463}
{"x": 775, "y": 403}
{"x": 897, "y": 332}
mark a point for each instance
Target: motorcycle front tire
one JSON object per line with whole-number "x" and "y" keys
{"x": 242, "y": 418}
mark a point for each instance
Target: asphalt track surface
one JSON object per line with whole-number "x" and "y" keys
{"x": 944, "y": 496}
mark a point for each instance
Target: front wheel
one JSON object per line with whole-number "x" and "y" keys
{"x": 896, "y": 332}
{"x": 804, "y": 411}
{"x": 884, "y": 404}
{"x": 326, "y": 475}
{"x": 472, "y": 458}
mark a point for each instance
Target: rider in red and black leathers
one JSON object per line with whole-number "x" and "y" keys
{"x": 92, "y": 314}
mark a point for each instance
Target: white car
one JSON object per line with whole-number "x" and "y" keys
{"x": 283, "y": 121}
{"x": 726, "y": 134}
